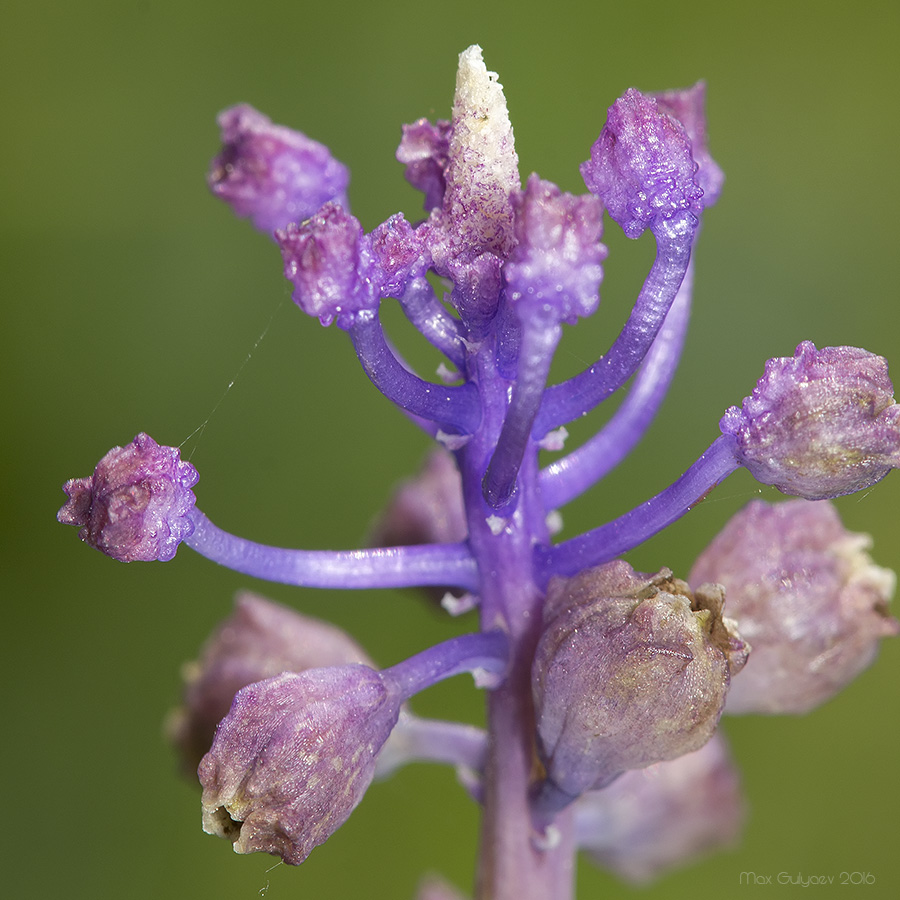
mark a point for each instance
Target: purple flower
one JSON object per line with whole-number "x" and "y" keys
{"x": 259, "y": 640}
{"x": 806, "y": 596}
{"x": 641, "y": 166}
{"x": 555, "y": 269}
{"x": 293, "y": 758}
{"x": 819, "y": 424}
{"x": 425, "y": 150}
{"x": 630, "y": 670}
{"x": 136, "y": 505}
{"x": 654, "y": 819}
{"x": 272, "y": 174}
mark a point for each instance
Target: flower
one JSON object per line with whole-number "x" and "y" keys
{"x": 819, "y": 424}
{"x": 293, "y": 758}
{"x": 806, "y": 595}
{"x": 136, "y": 505}
{"x": 630, "y": 670}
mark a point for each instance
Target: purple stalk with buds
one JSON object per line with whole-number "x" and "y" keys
{"x": 604, "y": 686}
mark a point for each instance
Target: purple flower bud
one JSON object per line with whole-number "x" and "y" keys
{"x": 557, "y": 261}
{"x": 400, "y": 255}
{"x": 272, "y": 174}
{"x": 819, "y": 424}
{"x": 424, "y": 150}
{"x": 259, "y": 640}
{"x": 667, "y": 815}
{"x": 482, "y": 168}
{"x": 807, "y": 597}
{"x": 136, "y": 505}
{"x": 630, "y": 670}
{"x": 293, "y": 758}
{"x": 328, "y": 262}
{"x": 427, "y": 509}
{"x": 688, "y": 107}
{"x": 641, "y": 166}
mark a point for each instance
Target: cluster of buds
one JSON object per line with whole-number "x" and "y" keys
{"x": 605, "y": 686}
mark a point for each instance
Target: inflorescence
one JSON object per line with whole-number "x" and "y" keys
{"x": 596, "y": 674}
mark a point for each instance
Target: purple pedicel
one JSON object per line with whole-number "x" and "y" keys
{"x": 630, "y": 670}
{"x": 137, "y": 505}
{"x": 819, "y": 424}
{"x": 272, "y": 174}
{"x": 805, "y": 595}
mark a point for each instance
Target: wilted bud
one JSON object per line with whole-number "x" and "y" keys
{"x": 630, "y": 670}
{"x": 665, "y": 816}
{"x": 259, "y": 640}
{"x": 641, "y": 166}
{"x": 807, "y": 597}
{"x": 136, "y": 505}
{"x": 273, "y": 174}
{"x": 819, "y": 424}
{"x": 293, "y": 758}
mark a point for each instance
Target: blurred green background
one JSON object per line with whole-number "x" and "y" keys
{"x": 132, "y": 299}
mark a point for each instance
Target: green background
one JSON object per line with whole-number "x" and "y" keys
{"x": 131, "y": 299}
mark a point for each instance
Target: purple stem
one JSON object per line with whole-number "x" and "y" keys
{"x": 427, "y": 314}
{"x": 432, "y": 740}
{"x": 455, "y": 408}
{"x": 573, "y": 398}
{"x": 572, "y": 475}
{"x": 538, "y": 343}
{"x": 605, "y": 543}
{"x": 484, "y": 654}
{"x": 384, "y": 567}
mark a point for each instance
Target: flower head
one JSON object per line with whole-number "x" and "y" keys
{"x": 136, "y": 505}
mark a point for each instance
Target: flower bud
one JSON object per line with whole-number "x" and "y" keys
{"x": 819, "y": 424}
{"x": 424, "y": 150}
{"x": 688, "y": 107}
{"x": 557, "y": 261}
{"x": 641, "y": 166}
{"x": 259, "y": 640}
{"x": 630, "y": 670}
{"x": 329, "y": 264}
{"x": 271, "y": 173}
{"x": 807, "y": 597}
{"x": 136, "y": 505}
{"x": 667, "y": 815}
{"x": 293, "y": 758}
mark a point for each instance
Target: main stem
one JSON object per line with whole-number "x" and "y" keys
{"x": 516, "y": 862}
